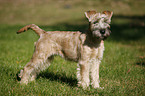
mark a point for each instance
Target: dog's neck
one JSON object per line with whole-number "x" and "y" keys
{"x": 92, "y": 42}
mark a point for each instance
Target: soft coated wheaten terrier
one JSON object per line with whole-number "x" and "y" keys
{"x": 85, "y": 48}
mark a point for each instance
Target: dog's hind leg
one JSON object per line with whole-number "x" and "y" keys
{"x": 42, "y": 66}
{"x": 40, "y": 61}
{"x": 33, "y": 68}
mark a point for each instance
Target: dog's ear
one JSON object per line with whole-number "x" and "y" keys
{"x": 108, "y": 13}
{"x": 90, "y": 14}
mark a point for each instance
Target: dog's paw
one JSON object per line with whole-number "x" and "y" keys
{"x": 99, "y": 88}
{"x": 19, "y": 75}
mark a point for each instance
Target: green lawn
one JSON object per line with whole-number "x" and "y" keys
{"x": 122, "y": 71}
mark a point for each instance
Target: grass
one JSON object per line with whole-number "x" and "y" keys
{"x": 122, "y": 71}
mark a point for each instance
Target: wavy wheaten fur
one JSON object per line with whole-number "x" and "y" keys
{"x": 84, "y": 48}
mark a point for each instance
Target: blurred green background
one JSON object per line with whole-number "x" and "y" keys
{"x": 51, "y": 12}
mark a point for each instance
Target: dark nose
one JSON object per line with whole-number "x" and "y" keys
{"x": 102, "y": 31}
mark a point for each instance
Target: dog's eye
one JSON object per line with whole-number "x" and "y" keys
{"x": 106, "y": 25}
{"x": 95, "y": 22}
{"x": 105, "y": 20}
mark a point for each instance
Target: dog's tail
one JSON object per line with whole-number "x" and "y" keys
{"x": 34, "y": 27}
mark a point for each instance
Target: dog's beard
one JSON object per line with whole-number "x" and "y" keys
{"x": 98, "y": 36}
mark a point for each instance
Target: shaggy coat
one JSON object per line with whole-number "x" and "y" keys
{"x": 84, "y": 48}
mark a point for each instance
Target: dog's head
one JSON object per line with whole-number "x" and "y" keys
{"x": 99, "y": 24}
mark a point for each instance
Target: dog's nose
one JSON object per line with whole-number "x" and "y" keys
{"x": 102, "y": 31}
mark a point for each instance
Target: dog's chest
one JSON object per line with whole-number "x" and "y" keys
{"x": 89, "y": 53}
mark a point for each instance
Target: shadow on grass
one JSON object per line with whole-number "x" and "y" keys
{"x": 54, "y": 77}
{"x": 131, "y": 31}
{"x": 141, "y": 61}
{"x": 59, "y": 77}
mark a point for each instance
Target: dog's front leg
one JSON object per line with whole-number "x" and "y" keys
{"x": 94, "y": 69}
{"x": 83, "y": 74}
{"x": 95, "y": 73}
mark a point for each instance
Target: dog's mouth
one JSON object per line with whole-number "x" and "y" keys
{"x": 102, "y": 37}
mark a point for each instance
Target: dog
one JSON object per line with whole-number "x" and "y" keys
{"x": 85, "y": 48}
